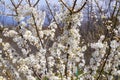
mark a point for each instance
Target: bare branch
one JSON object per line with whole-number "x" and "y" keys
{"x": 74, "y": 5}
{"x": 98, "y": 6}
{"x": 15, "y": 7}
{"x": 33, "y": 4}
{"x": 29, "y": 3}
{"x": 36, "y": 74}
{"x": 19, "y": 3}
{"x": 11, "y": 15}
{"x": 36, "y": 3}
{"x": 52, "y": 15}
{"x": 80, "y": 8}
{"x": 114, "y": 9}
{"x": 13, "y": 3}
{"x": 110, "y": 2}
{"x": 37, "y": 30}
{"x": 65, "y": 5}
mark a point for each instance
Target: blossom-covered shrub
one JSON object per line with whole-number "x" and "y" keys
{"x": 57, "y": 53}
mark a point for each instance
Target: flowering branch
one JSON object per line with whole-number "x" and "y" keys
{"x": 52, "y": 15}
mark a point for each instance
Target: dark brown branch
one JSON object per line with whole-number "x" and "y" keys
{"x": 11, "y": 15}
{"x": 36, "y": 26}
{"x": 80, "y": 8}
{"x": 15, "y": 7}
{"x": 19, "y": 4}
{"x": 106, "y": 58}
{"x": 53, "y": 15}
{"x": 98, "y": 6}
{"x": 36, "y": 3}
{"x": 115, "y": 20}
{"x": 29, "y": 3}
{"x": 37, "y": 30}
{"x": 110, "y": 2}
{"x": 38, "y": 77}
{"x": 13, "y": 3}
{"x": 72, "y": 11}
{"x": 66, "y": 66}
{"x": 66, "y": 5}
{"x": 114, "y": 10}
{"x": 108, "y": 51}
{"x": 74, "y": 5}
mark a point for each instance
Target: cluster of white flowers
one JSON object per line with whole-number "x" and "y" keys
{"x": 42, "y": 54}
{"x": 0, "y": 40}
{"x": 10, "y": 33}
{"x": 2, "y": 78}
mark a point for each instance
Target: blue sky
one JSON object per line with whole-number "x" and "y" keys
{"x": 8, "y": 20}
{"x": 42, "y": 4}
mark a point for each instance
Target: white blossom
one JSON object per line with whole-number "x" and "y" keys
{"x": 23, "y": 68}
{"x": 114, "y": 44}
{"x": 34, "y": 51}
{"x": 97, "y": 45}
{"x": 30, "y": 77}
{"x": 0, "y": 40}
{"x": 27, "y": 34}
{"x": 2, "y": 78}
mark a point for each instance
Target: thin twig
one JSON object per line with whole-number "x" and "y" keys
{"x": 106, "y": 58}
{"x": 37, "y": 30}
{"x": 11, "y": 15}
{"x": 36, "y": 3}
{"x": 74, "y": 5}
{"x": 13, "y": 3}
{"x": 19, "y": 4}
{"x": 65, "y": 5}
{"x": 36, "y": 27}
{"x": 114, "y": 10}
{"x": 38, "y": 77}
{"x": 98, "y": 6}
{"x": 66, "y": 66}
{"x": 15, "y": 7}
{"x": 33, "y": 4}
{"x": 53, "y": 15}
{"x": 80, "y": 8}
{"x": 29, "y": 3}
